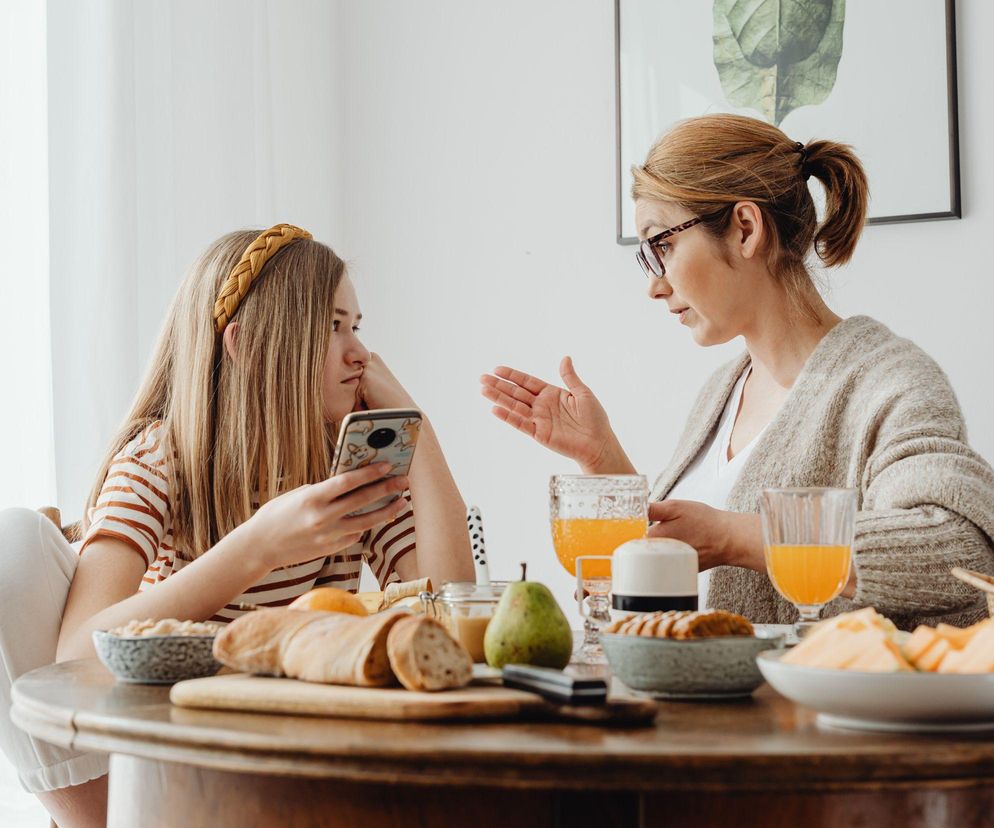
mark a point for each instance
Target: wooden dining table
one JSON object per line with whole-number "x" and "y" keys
{"x": 759, "y": 761}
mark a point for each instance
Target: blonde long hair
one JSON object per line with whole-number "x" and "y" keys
{"x": 239, "y": 429}
{"x": 707, "y": 164}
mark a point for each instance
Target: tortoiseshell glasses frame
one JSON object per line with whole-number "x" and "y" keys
{"x": 648, "y": 252}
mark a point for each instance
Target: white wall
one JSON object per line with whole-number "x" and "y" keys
{"x": 481, "y": 184}
{"x": 460, "y": 154}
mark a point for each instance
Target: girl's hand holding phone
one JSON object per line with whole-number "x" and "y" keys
{"x": 314, "y": 521}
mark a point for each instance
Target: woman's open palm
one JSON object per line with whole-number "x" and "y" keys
{"x": 570, "y": 421}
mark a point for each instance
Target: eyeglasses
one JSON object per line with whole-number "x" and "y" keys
{"x": 648, "y": 252}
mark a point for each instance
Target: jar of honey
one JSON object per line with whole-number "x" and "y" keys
{"x": 465, "y": 608}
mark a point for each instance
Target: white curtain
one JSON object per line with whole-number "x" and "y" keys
{"x": 27, "y": 468}
{"x": 170, "y": 124}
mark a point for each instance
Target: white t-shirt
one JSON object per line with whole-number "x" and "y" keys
{"x": 710, "y": 477}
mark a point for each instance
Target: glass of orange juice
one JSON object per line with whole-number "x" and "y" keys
{"x": 592, "y": 515}
{"x": 808, "y": 538}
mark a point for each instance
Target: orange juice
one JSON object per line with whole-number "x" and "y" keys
{"x": 808, "y": 575}
{"x": 573, "y": 537}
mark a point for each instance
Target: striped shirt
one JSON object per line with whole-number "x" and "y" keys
{"x": 134, "y": 507}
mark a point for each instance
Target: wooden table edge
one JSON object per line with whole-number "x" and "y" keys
{"x": 552, "y": 771}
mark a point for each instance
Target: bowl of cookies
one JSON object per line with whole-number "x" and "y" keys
{"x": 158, "y": 651}
{"x": 687, "y": 655}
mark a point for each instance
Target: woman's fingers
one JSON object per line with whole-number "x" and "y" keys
{"x": 569, "y": 375}
{"x": 508, "y": 388}
{"x": 341, "y": 484}
{"x": 522, "y": 424}
{"x": 526, "y": 381}
{"x": 506, "y": 401}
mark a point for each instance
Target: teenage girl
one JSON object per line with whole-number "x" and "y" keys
{"x": 216, "y": 489}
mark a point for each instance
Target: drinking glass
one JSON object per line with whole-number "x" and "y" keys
{"x": 592, "y": 515}
{"x": 808, "y": 537}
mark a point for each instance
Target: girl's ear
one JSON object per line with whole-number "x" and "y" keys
{"x": 230, "y": 338}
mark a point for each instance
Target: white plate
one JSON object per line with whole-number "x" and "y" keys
{"x": 885, "y": 701}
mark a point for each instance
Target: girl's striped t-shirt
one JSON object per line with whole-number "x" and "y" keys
{"x": 134, "y": 507}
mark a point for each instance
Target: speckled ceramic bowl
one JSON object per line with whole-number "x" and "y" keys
{"x": 701, "y": 668}
{"x": 156, "y": 659}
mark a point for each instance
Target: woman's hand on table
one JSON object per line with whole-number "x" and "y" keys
{"x": 571, "y": 421}
{"x": 720, "y": 537}
{"x": 379, "y": 388}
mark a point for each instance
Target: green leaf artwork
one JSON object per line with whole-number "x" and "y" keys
{"x": 777, "y": 55}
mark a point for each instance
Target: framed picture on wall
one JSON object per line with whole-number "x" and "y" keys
{"x": 879, "y": 76}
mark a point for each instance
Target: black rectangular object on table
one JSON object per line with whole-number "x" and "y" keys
{"x": 555, "y": 685}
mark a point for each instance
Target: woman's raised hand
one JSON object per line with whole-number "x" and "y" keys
{"x": 570, "y": 420}
{"x": 316, "y": 520}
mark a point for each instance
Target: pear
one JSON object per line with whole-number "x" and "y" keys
{"x": 528, "y": 627}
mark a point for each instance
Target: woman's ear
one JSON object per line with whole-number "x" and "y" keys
{"x": 230, "y": 338}
{"x": 747, "y": 228}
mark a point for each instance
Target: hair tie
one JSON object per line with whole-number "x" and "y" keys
{"x": 243, "y": 275}
{"x": 803, "y": 150}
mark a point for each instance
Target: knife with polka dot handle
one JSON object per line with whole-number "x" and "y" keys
{"x": 475, "y": 521}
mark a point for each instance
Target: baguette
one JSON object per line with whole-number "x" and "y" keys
{"x": 425, "y": 657}
{"x": 343, "y": 649}
{"x": 256, "y": 642}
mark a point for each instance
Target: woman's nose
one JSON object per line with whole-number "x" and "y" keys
{"x": 659, "y": 288}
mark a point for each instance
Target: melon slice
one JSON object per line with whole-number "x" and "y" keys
{"x": 975, "y": 657}
{"x": 882, "y": 656}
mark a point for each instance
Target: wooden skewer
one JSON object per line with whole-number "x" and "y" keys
{"x": 985, "y": 583}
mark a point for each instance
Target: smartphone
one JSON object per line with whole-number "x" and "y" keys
{"x": 383, "y": 435}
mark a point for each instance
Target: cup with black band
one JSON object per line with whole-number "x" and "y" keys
{"x": 652, "y": 574}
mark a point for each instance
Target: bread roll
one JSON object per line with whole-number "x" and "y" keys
{"x": 343, "y": 649}
{"x": 256, "y": 642}
{"x": 425, "y": 657}
{"x": 682, "y": 624}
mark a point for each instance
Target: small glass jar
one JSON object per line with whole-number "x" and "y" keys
{"x": 465, "y": 609}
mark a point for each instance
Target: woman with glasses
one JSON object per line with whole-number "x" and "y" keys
{"x": 727, "y": 223}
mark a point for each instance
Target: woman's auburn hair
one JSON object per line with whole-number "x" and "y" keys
{"x": 238, "y": 431}
{"x": 708, "y": 164}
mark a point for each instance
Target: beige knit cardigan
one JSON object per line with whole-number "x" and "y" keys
{"x": 872, "y": 412}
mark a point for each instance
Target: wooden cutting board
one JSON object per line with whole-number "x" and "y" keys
{"x": 261, "y": 694}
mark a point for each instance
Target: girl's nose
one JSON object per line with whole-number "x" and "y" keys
{"x": 357, "y": 354}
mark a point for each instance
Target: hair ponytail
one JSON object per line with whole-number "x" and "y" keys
{"x": 847, "y": 195}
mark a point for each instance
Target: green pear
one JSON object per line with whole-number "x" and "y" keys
{"x": 528, "y": 627}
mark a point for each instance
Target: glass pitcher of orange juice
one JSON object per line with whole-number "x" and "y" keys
{"x": 592, "y": 515}
{"x": 808, "y": 536}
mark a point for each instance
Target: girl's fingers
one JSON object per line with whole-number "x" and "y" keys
{"x": 526, "y": 381}
{"x": 506, "y": 401}
{"x": 346, "y": 541}
{"x": 340, "y": 484}
{"x": 369, "y": 494}
{"x": 525, "y": 426}
{"x": 360, "y": 523}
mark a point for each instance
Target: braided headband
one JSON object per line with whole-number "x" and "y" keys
{"x": 244, "y": 274}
